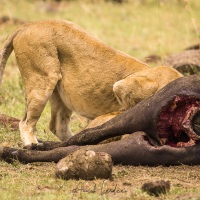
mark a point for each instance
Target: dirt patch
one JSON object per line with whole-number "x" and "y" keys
{"x": 9, "y": 122}
{"x": 195, "y": 47}
{"x": 126, "y": 183}
{"x": 152, "y": 59}
{"x": 11, "y": 20}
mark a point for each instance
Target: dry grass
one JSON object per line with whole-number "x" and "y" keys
{"x": 139, "y": 28}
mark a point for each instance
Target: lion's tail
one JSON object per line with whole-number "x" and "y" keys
{"x": 5, "y": 53}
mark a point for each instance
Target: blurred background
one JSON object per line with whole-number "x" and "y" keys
{"x": 137, "y": 27}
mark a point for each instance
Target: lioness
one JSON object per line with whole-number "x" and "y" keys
{"x": 60, "y": 62}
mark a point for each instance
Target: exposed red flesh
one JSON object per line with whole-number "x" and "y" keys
{"x": 174, "y": 124}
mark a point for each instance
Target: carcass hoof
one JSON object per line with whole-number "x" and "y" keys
{"x": 85, "y": 164}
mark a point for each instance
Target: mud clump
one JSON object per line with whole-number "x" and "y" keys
{"x": 86, "y": 165}
{"x": 156, "y": 188}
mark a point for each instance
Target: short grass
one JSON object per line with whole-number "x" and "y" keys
{"x": 139, "y": 28}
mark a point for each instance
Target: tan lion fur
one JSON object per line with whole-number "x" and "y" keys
{"x": 60, "y": 62}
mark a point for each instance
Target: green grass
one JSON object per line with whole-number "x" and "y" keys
{"x": 136, "y": 28}
{"x": 139, "y": 28}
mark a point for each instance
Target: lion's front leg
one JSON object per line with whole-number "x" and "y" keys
{"x": 60, "y": 117}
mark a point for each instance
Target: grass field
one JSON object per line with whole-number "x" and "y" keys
{"x": 139, "y": 28}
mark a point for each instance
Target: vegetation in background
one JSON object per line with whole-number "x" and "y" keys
{"x": 137, "y": 27}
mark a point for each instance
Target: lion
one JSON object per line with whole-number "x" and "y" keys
{"x": 60, "y": 62}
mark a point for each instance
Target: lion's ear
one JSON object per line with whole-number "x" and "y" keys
{"x": 133, "y": 89}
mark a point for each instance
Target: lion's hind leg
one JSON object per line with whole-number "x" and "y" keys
{"x": 37, "y": 96}
{"x": 40, "y": 74}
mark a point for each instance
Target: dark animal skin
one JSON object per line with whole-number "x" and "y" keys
{"x": 164, "y": 130}
{"x": 169, "y": 110}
